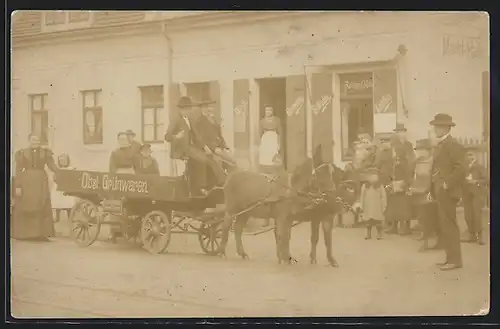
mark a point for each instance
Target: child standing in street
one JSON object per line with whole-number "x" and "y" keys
{"x": 373, "y": 202}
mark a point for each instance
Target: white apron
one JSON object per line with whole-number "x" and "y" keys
{"x": 269, "y": 146}
{"x": 179, "y": 167}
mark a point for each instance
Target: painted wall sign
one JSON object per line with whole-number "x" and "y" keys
{"x": 320, "y": 105}
{"x": 295, "y": 108}
{"x": 461, "y": 46}
{"x": 240, "y": 116}
{"x": 356, "y": 84}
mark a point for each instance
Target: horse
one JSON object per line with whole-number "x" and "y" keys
{"x": 307, "y": 194}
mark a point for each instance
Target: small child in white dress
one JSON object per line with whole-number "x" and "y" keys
{"x": 60, "y": 202}
{"x": 373, "y": 202}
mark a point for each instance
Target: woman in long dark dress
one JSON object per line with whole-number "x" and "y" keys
{"x": 32, "y": 215}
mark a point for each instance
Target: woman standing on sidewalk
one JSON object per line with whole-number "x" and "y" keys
{"x": 60, "y": 202}
{"x": 32, "y": 215}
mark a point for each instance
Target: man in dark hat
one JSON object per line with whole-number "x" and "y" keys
{"x": 135, "y": 146}
{"x": 187, "y": 143}
{"x": 448, "y": 174}
{"x": 474, "y": 191}
{"x": 144, "y": 163}
{"x": 397, "y": 174}
{"x": 210, "y": 127}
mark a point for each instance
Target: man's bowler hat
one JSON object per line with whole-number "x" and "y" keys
{"x": 130, "y": 132}
{"x": 186, "y": 102}
{"x": 400, "y": 127}
{"x": 145, "y": 146}
{"x": 206, "y": 102}
{"x": 442, "y": 119}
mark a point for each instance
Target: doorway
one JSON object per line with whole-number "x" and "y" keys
{"x": 272, "y": 92}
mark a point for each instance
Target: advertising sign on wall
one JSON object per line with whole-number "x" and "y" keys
{"x": 385, "y": 102}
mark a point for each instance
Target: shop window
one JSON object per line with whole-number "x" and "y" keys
{"x": 65, "y": 19}
{"x": 356, "y": 101}
{"x": 153, "y": 112}
{"x": 92, "y": 117}
{"x": 39, "y": 117}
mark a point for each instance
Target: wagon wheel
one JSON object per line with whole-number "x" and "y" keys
{"x": 156, "y": 231}
{"x": 210, "y": 237}
{"x": 85, "y": 221}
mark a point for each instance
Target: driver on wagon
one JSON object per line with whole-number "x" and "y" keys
{"x": 187, "y": 142}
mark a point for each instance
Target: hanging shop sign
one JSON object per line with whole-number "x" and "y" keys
{"x": 296, "y": 107}
{"x": 468, "y": 47}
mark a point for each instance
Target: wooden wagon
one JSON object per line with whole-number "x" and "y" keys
{"x": 151, "y": 208}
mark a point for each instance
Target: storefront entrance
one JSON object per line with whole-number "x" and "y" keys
{"x": 272, "y": 92}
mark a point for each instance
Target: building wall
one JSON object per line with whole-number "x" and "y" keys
{"x": 282, "y": 47}
{"x": 456, "y": 79}
{"x": 117, "y": 66}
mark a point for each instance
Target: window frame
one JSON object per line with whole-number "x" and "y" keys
{"x": 95, "y": 108}
{"x": 42, "y": 112}
{"x": 67, "y": 24}
{"x": 155, "y": 107}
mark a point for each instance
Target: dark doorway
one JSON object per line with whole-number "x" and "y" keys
{"x": 273, "y": 92}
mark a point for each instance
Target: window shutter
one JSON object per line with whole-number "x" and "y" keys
{"x": 295, "y": 121}
{"x": 321, "y": 100}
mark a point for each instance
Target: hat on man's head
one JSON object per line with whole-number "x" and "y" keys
{"x": 400, "y": 127}
{"x": 442, "y": 119}
{"x": 186, "y": 102}
{"x": 372, "y": 170}
{"x": 206, "y": 102}
{"x": 423, "y": 144}
{"x": 130, "y": 132}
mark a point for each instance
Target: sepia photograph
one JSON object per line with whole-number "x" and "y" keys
{"x": 249, "y": 164}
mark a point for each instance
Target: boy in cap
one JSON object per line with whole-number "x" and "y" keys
{"x": 473, "y": 196}
{"x": 144, "y": 163}
{"x": 426, "y": 207}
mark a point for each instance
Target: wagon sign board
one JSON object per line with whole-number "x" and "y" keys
{"x": 122, "y": 185}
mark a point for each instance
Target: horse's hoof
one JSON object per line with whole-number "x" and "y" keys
{"x": 245, "y": 257}
{"x": 334, "y": 264}
{"x": 292, "y": 260}
{"x": 314, "y": 262}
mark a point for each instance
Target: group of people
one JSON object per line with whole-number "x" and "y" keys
{"x": 431, "y": 179}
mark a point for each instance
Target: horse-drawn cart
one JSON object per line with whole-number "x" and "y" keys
{"x": 151, "y": 208}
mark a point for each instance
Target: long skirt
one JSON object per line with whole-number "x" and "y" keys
{"x": 269, "y": 146}
{"x": 32, "y": 210}
{"x": 398, "y": 207}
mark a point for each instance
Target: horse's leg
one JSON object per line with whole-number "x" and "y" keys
{"x": 226, "y": 227}
{"x": 239, "y": 225}
{"x": 314, "y": 240}
{"x": 327, "y": 234}
{"x": 287, "y": 224}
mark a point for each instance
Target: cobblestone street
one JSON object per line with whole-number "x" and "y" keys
{"x": 387, "y": 277}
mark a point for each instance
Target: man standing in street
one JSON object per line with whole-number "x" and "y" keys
{"x": 473, "y": 196}
{"x": 448, "y": 173}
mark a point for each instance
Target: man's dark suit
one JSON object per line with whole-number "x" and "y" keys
{"x": 448, "y": 169}
{"x": 191, "y": 146}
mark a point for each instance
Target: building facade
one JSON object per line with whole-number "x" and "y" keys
{"x": 80, "y": 77}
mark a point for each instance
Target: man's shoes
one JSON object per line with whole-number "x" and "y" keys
{"x": 437, "y": 246}
{"x": 442, "y": 263}
{"x": 450, "y": 267}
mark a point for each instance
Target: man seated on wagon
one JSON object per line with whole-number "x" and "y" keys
{"x": 144, "y": 163}
{"x": 187, "y": 143}
{"x": 211, "y": 130}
